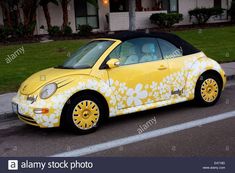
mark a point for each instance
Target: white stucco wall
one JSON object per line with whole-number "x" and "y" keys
{"x": 120, "y": 21}
{"x": 147, "y": 4}
{"x": 186, "y": 5}
{"x": 102, "y": 11}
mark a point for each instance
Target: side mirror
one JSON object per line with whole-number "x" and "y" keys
{"x": 112, "y": 63}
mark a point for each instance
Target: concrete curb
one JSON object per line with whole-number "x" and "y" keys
{"x": 7, "y": 116}
{"x": 231, "y": 77}
{"x": 10, "y": 115}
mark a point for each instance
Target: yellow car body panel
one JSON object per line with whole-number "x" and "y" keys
{"x": 43, "y": 77}
{"x": 126, "y": 89}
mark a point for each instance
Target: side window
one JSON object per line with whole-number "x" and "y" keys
{"x": 169, "y": 50}
{"x": 124, "y": 53}
{"x": 139, "y": 50}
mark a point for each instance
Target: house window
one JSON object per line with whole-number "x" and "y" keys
{"x": 173, "y": 5}
{"x": 144, "y": 5}
{"x": 86, "y": 13}
{"x": 217, "y": 3}
{"x": 119, "y": 5}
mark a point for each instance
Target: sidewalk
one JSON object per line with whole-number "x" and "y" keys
{"x": 229, "y": 69}
{"x": 5, "y": 105}
{"x": 5, "y": 99}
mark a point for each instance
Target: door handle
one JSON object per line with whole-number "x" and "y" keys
{"x": 162, "y": 67}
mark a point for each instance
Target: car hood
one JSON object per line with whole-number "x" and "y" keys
{"x": 41, "y": 78}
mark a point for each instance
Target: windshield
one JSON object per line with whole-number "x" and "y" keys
{"x": 86, "y": 56}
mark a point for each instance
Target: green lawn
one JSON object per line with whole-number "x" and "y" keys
{"x": 37, "y": 56}
{"x": 218, "y": 44}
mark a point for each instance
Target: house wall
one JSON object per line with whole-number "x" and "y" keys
{"x": 186, "y": 5}
{"x": 103, "y": 10}
{"x": 147, "y": 4}
{"x": 120, "y": 21}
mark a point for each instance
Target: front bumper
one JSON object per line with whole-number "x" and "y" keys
{"x": 26, "y": 112}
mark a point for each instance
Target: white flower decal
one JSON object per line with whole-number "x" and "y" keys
{"x": 136, "y": 95}
{"x": 49, "y": 121}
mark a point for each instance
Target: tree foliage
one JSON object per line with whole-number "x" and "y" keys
{"x": 44, "y": 4}
{"x": 202, "y": 15}
{"x": 232, "y": 11}
{"x": 166, "y": 20}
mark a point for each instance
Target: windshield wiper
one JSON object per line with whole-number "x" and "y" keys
{"x": 63, "y": 67}
{"x": 79, "y": 67}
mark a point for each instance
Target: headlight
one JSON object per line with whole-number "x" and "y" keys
{"x": 48, "y": 90}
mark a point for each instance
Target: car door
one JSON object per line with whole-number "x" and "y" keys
{"x": 177, "y": 66}
{"x": 138, "y": 80}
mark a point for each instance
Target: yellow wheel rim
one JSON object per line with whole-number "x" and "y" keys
{"x": 86, "y": 114}
{"x": 209, "y": 90}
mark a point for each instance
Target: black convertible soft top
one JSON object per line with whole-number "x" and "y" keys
{"x": 174, "y": 39}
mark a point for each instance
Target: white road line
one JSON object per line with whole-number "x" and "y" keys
{"x": 148, "y": 135}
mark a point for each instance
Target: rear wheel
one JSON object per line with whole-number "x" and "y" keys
{"x": 85, "y": 114}
{"x": 208, "y": 90}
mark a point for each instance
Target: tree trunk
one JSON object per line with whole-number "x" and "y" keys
{"x": 29, "y": 10}
{"x": 6, "y": 14}
{"x": 47, "y": 15}
{"x": 64, "y": 4}
{"x": 132, "y": 15}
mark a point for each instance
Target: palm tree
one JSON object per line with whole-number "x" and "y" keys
{"x": 64, "y": 5}
{"x": 132, "y": 15}
{"x": 29, "y": 12}
{"x": 10, "y": 12}
{"x": 6, "y": 13}
{"x": 44, "y": 4}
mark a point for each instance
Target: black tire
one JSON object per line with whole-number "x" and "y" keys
{"x": 73, "y": 103}
{"x": 199, "y": 100}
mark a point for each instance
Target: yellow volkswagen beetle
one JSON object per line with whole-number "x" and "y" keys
{"x": 124, "y": 73}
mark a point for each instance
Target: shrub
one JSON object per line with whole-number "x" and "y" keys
{"x": 84, "y": 30}
{"x": 232, "y": 11}
{"x": 54, "y": 31}
{"x": 166, "y": 20}
{"x": 5, "y": 32}
{"x": 67, "y": 30}
{"x": 20, "y": 30}
{"x": 202, "y": 15}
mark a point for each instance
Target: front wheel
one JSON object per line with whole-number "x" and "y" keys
{"x": 85, "y": 114}
{"x": 208, "y": 90}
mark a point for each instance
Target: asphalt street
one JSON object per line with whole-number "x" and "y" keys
{"x": 212, "y": 139}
